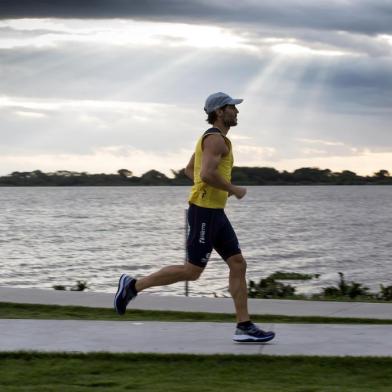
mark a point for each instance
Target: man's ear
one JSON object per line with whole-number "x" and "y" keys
{"x": 219, "y": 112}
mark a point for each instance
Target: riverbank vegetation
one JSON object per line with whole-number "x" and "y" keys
{"x": 240, "y": 176}
{"x": 272, "y": 287}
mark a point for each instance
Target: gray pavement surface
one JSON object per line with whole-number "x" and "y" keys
{"x": 199, "y": 304}
{"x": 193, "y": 338}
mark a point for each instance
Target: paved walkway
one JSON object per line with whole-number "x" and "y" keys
{"x": 195, "y": 337}
{"x": 200, "y": 304}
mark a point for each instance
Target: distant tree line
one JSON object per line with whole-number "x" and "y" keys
{"x": 240, "y": 176}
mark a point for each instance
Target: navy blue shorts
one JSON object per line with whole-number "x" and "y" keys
{"x": 209, "y": 228}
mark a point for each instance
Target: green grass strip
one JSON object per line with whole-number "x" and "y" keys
{"x": 30, "y": 311}
{"x": 39, "y": 372}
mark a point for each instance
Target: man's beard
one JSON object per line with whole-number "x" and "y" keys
{"x": 232, "y": 122}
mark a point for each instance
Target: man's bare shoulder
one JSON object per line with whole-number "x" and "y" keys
{"x": 214, "y": 142}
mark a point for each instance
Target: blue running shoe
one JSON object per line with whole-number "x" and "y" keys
{"x": 125, "y": 293}
{"x": 252, "y": 334}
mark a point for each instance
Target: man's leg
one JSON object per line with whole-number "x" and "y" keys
{"x": 129, "y": 287}
{"x": 246, "y": 331}
{"x": 169, "y": 275}
{"x": 237, "y": 286}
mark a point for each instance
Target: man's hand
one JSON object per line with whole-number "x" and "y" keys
{"x": 238, "y": 191}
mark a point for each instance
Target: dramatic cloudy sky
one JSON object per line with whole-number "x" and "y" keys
{"x": 101, "y": 85}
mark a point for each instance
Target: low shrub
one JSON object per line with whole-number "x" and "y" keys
{"x": 270, "y": 288}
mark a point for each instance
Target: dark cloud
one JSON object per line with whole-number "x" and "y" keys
{"x": 365, "y": 16}
{"x": 362, "y": 85}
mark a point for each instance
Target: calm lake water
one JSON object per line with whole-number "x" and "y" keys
{"x": 60, "y": 235}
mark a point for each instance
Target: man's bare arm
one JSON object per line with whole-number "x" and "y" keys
{"x": 190, "y": 167}
{"x": 214, "y": 148}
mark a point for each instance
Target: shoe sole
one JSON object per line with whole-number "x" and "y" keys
{"x": 251, "y": 339}
{"x": 119, "y": 291}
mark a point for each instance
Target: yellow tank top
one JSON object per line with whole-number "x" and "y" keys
{"x": 202, "y": 194}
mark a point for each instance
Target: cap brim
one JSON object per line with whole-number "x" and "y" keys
{"x": 235, "y": 101}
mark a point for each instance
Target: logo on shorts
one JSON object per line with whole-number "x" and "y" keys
{"x": 202, "y": 238}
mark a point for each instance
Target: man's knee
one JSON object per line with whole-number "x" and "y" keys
{"x": 192, "y": 272}
{"x": 237, "y": 264}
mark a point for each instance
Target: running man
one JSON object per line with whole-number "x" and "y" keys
{"x": 210, "y": 170}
